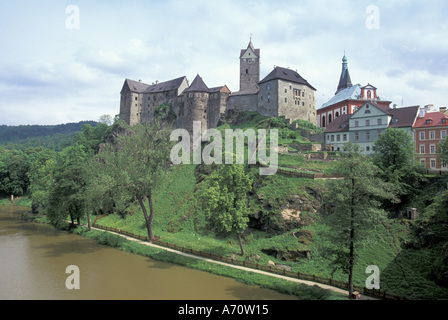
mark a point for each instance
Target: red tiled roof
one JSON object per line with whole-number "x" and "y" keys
{"x": 436, "y": 120}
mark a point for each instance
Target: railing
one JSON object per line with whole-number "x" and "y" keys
{"x": 308, "y": 175}
{"x": 252, "y": 265}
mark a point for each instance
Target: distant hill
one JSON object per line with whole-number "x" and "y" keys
{"x": 48, "y": 136}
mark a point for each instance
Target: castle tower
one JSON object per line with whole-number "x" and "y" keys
{"x": 345, "y": 81}
{"x": 195, "y": 106}
{"x": 249, "y": 69}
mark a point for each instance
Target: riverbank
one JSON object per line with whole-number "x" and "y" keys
{"x": 313, "y": 294}
{"x": 302, "y": 289}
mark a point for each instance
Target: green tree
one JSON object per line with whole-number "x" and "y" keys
{"x": 67, "y": 192}
{"x": 41, "y": 177}
{"x": 136, "y": 165}
{"x": 14, "y": 166}
{"x": 106, "y": 119}
{"x": 91, "y": 137}
{"x": 442, "y": 150}
{"x": 223, "y": 197}
{"x": 395, "y": 157}
{"x": 356, "y": 199}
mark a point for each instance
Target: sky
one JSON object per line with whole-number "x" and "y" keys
{"x": 66, "y": 61}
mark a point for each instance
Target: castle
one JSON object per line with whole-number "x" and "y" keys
{"x": 283, "y": 92}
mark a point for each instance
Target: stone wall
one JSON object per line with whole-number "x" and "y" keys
{"x": 239, "y": 103}
{"x": 296, "y": 101}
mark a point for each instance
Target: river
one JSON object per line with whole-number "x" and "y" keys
{"x": 34, "y": 259}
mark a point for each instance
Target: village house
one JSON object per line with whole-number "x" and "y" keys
{"x": 430, "y": 129}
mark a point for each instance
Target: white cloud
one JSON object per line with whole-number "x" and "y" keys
{"x": 52, "y": 74}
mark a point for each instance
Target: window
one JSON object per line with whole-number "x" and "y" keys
{"x": 367, "y": 135}
{"x": 432, "y": 135}
{"x": 428, "y": 121}
{"x": 356, "y": 123}
{"x": 286, "y": 100}
{"x": 423, "y": 162}
{"x": 338, "y": 138}
{"x": 367, "y": 111}
{"x": 422, "y": 135}
{"x": 443, "y": 134}
{"x": 432, "y": 148}
{"x": 269, "y": 97}
{"x": 380, "y": 121}
{"x": 332, "y": 138}
{"x": 268, "y": 86}
{"x": 286, "y": 90}
{"x": 247, "y": 71}
{"x": 356, "y": 136}
{"x": 367, "y": 123}
{"x": 344, "y": 137}
{"x": 444, "y": 164}
{"x": 433, "y": 163}
{"x": 368, "y": 149}
{"x": 422, "y": 149}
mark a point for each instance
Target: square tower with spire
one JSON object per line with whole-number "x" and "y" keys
{"x": 249, "y": 69}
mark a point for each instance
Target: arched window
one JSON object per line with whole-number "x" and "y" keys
{"x": 336, "y": 114}
{"x": 369, "y": 94}
{"x": 329, "y": 118}
{"x": 324, "y": 124}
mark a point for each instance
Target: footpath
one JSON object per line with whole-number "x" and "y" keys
{"x": 310, "y": 283}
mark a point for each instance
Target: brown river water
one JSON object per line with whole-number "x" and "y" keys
{"x": 34, "y": 259}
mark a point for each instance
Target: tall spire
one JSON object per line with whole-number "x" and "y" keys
{"x": 345, "y": 81}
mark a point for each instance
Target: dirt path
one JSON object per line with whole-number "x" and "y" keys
{"x": 310, "y": 283}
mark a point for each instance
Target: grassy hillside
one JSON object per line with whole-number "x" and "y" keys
{"x": 287, "y": 220}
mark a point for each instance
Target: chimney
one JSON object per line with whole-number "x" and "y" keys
{"x": 157, "y": 81}
{"x": 422, "y": 112}
{"x": 429, "y": 108}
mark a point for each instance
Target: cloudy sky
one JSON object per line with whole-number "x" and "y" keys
{"x": 57, "y": 66}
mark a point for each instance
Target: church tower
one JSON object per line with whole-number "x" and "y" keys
{"x": 345, "y": 81}
{"x": 249, "y": 69}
